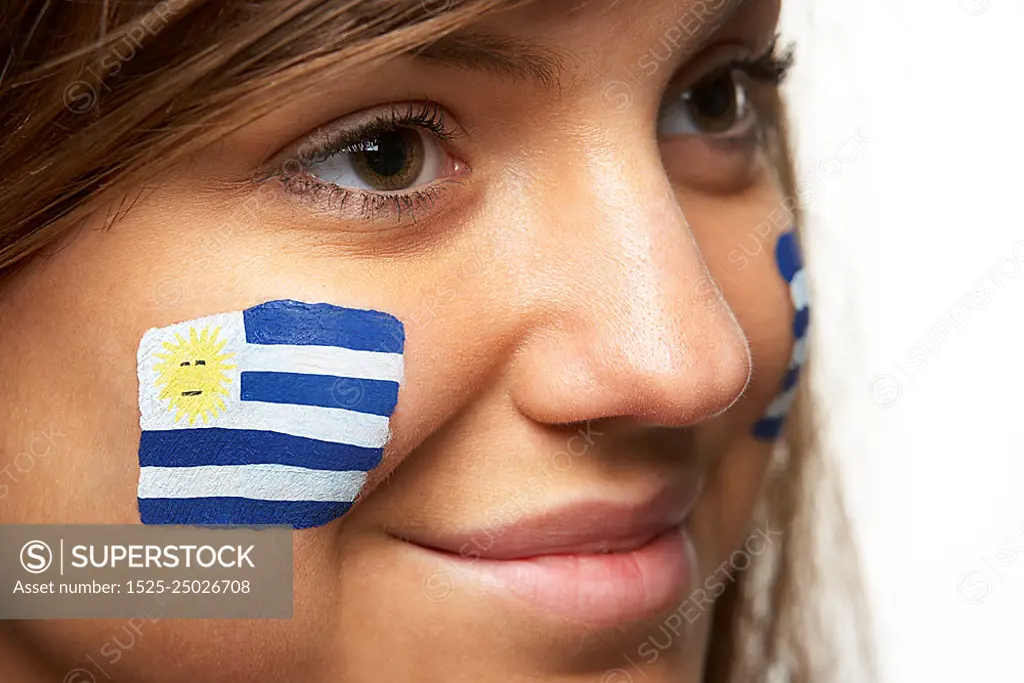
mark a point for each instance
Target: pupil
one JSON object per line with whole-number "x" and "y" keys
{"x": 716, "y": 98}
{"x": 390, "y": 156}
{"x": 390, "y": 160}
{"x": 715, "y": 104}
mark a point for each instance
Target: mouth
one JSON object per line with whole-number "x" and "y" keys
{"x": 592, "y": 562}
{"x": 191, "y": 393}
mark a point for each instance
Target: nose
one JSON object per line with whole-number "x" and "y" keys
{"x": 626, "y": 320}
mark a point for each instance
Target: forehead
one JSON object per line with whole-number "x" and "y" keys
{"x": 548, "y": 38}
{"x": 615, "y": 21}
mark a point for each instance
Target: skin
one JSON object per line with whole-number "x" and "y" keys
{"x": 563, "y": 280}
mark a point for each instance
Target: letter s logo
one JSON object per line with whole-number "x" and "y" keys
{"x": 36, "y": 557}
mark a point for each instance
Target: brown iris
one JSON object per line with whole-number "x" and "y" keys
{"x": 716, "y": 104}
{"x": 390, "y": 160}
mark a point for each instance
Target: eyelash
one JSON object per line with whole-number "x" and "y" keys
{"x": 427, "y": 116}
{"x": 373, "y": 204}
{"x": 770, "y": 68}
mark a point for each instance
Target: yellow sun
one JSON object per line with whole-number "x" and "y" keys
{"x": 192, "y": 374}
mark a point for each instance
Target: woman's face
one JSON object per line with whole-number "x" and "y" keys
{"x": 550, "y": 222}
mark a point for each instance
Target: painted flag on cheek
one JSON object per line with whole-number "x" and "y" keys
{"x": 791, "y": 268}
{"x": 271, "y": 415}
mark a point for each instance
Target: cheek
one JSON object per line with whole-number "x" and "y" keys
{"x": 68, "y": 362}
{"x": 738, "y": 239}
{"x": 69, "y": 372}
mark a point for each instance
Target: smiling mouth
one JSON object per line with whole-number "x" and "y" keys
{"x": 191, "y": 393}
{"x": 601, "y": 563}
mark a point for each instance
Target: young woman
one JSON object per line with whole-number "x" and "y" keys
{"x": 580, "y": 214}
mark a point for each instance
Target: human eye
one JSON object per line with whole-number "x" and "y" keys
{"x": 711, "y": 125}
{"x": 387, "y": 162}
{"x": 721, "y": 103}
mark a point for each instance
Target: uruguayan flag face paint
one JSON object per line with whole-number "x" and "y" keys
{"x": 787, "y": 255}
{"x": 271, "y": 415}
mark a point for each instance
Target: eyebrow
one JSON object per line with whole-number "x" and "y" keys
{"x": 518, "y": 59}
{"x": 507, "y": 57}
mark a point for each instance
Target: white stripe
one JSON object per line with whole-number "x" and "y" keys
{"x": 781, "y": 405}
{"x": 258, "y": 482}
{"x": 798, "y": 290}
{"x": 799, "y": 355}
{"x": 320, "y": 360}
{"x": 312, "y": 422}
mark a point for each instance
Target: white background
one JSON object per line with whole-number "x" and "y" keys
{"x": 895, "y": 239}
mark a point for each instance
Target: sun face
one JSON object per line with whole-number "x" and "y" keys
{"x": 192, "y": 375}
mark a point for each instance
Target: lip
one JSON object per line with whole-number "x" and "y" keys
{"x": 593, "y": 562}
{"x": 586, "y": 527}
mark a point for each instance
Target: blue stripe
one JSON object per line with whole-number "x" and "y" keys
{"x": 215, "y": 446}
{"x": 769, "y": 428}
{"x": 791, "y": 378}
{"x": 800, "y": 321}
{"x": 787, "y": 255}
{"x": 376, "y": 397}
{"x": 294, "y": 322}
{"x": 296, "y": 514}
